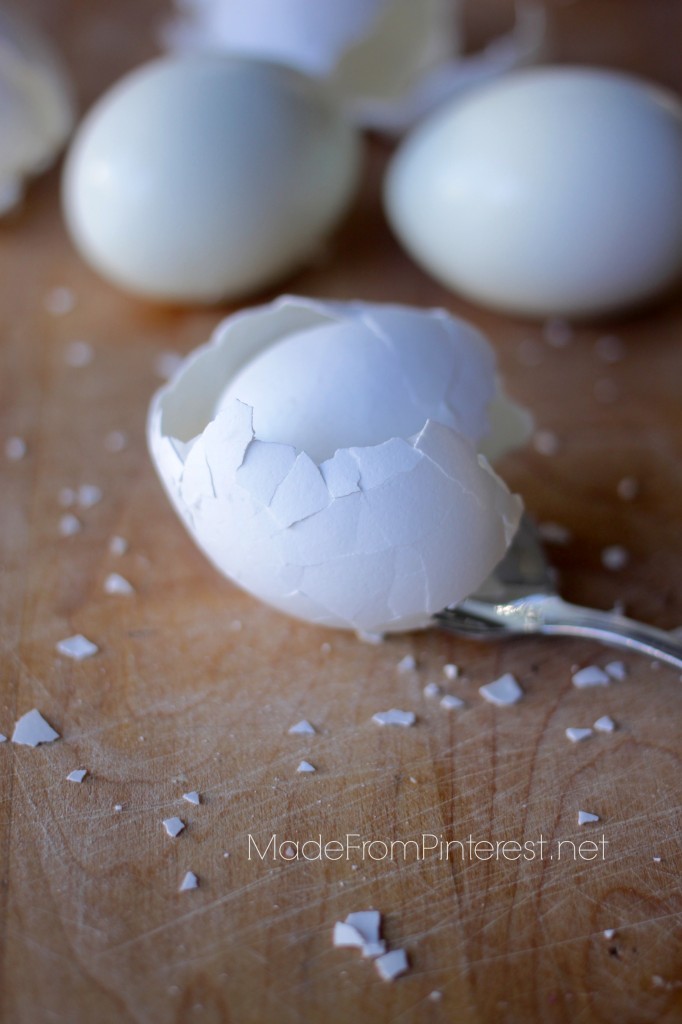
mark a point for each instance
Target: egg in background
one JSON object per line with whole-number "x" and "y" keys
{"x": 556, "y": 191}
{"x": 208, "y": 177}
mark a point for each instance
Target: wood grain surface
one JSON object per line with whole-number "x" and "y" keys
{"x": 92, "y": 927}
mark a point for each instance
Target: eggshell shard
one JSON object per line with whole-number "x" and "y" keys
{"x": 206, "y": 177}
{"x": 388, "y": 61}
{"x": 555, "y": 192}
{"x": 374, "y": 538}
{"x": 36, "y": 104}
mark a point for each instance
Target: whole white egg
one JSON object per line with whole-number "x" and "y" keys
{"x": 206, "y": 177}
{"x": 329, "y": 458}
{"x": 555, "y": 192}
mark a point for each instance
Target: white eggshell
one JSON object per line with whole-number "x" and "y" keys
{"x": 207, "y": 177}
{"x": 388, "y": 61}
{"x": 374, "y": 536}
{"x": 555, "y": 192}
{"x": 36, "y": 107}
{"x": 371, "y": 48}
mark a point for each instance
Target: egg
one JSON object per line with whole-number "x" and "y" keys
{"x": 207, "y": 177}
{"x": 388, "y": 61}
{"x": 330, "y": 458}
{"x": 555, "y": 192}
{"x": 36, "y": 104}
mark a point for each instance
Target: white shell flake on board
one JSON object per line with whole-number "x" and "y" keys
{"x": 77, "y": 647}
{"x": 394, "y": 717}
{"x": 78, "y": 354}
{"x": 89, "y": 495}
{"x": 117, "y": 584}
{"x": 587, "y": 818}
{"x": 578, "y": 735}
{"x": 69, "y": 525}
{"x": 503, "y": 691}
{"x": 392, "y": 965}
{"x": 591, "y": 675}
{"x": 190, "y": 881}
{"x": 15, "y": 448}
{"x": 118, "y": 546}
{"x": 605, "y": 724}
{"x": 451, "y": 703}
{"x": 77, "y": 775}
{"x": 31, "y": 730}
{"x": 305, "y": 766}
{"x": 324, "y": 516}
{"x": 302, "y": 728}
{"x": 192, "y": 798}
{"x": 360, "y": 930}
{"x": 173, "y": 826}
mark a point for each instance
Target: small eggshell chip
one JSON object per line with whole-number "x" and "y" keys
{"x": 531, "y": 195}
{"x": 31, "y": 730}
{"x": 345, "y": 482}
{"x": 503, "y": 691}
{"x": 206, "y": 177}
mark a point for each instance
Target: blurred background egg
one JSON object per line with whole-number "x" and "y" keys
{"x": 388, "y": 61}
{"x": 555, "y": 192}
{"x": 36, "y": 105}
{"x": 207, "y": 177}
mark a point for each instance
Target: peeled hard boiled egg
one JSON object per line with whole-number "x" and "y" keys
{"x": 204, "y": 178}
{"x": 328, "y": 458}
{"x": 555, "y": 192}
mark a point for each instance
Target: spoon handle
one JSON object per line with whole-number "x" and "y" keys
{"x": 558, "y": 617}
{"x": 550, "y": 615}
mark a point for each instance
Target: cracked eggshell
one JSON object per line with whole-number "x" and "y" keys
{"x": 389, "y": 61}
{"x": 36, "y": 106}
{"x": 342, "y": 526}
{"x": 205, "y": 177}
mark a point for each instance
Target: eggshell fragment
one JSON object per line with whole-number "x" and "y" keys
{"x": 389, "y": 61}
{"x": 207, "y": 177}
{"x": 503, "y": 691}
{"x": 392, "y": 965}
{"x": 36, "y": 103}
{"x": 173, "y": 826}
{"x": 375, "y": 535}
{"x": 31, "y": 730}
{"x": 77, "y": 647}
{"x": 556, "y": 191}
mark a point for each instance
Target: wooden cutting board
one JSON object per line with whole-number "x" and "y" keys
{"x": 196, "y": 684}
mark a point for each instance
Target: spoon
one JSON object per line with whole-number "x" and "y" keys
{"x": 519, "y": 597}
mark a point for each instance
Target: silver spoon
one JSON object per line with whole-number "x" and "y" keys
{"x": 519, "y": 597}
